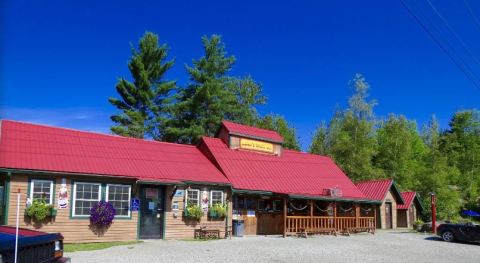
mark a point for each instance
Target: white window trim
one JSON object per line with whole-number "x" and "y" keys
{"x": 194, "y": 190}
{"x": 42, "y": 181}
{"x": 129, "y": 198}
{"x": 211, "y": 195}
{"x": 75, "y": 196}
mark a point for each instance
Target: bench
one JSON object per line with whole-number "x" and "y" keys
{"x": 348, "y": 230}
{"x": 211, "y": 230}
{"x": 303, "y": 232}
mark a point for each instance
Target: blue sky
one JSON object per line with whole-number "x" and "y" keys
{"x": 60, "y": 60}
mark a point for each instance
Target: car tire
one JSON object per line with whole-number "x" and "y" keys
{"x": 448, "y": 236}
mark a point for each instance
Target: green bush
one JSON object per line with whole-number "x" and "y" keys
{"x": 194, "y": 212}
{"x": 419, "y": 222}
{"x": 39, "y": 210}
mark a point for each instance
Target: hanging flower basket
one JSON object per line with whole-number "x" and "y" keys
{"x": 102, "y": 214}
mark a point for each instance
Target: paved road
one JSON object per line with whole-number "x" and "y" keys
{"x": 385, "y": 247}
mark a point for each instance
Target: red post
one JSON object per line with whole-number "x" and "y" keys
{"x": 434, "y": 213}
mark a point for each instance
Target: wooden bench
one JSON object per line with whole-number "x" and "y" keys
{"x": 303, "y": 232}
{"x": 210, "y": 230}
{"x": 347, "y": 231}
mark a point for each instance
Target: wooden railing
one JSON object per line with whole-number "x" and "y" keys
{"x": 299, "y": 224}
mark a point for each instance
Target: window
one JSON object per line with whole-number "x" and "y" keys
{"x": 277, "y": 205}
{"x": 85, "y": 195}
{"x": 216, "y": 197}
{"x": 119, "y": 196}
{"x": 193, "y": 196}
{"x": 249, "y": 203}
{"x": 41, "y": 189}
{"x": 261, "y": 205}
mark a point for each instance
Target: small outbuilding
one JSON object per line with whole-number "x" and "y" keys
{"x": 388, "y": 196}
{"x": 410, "y": 211}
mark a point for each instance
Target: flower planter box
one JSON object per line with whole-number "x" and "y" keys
{"x": 212, "y": 213}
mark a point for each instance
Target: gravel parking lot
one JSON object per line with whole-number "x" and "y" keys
{"x": 383, "y": 247}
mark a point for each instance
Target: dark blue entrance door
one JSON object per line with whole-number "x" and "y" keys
{"x": 152, "y": 204}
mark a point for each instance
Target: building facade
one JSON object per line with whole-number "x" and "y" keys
{"x": 243, "y": 170}
{"x": 410, "y": 211}
{"x": 389, "y": 197}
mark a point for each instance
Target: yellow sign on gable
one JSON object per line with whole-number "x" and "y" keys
{"x": 256, "y": 145}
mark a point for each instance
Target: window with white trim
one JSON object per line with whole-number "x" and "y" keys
{"x": 193, "y": 196}
{"x": 85, "y": 195}
{"x": 216, "y": 197}
{"x": 41, "y": 189}
{"x": 119, "y": 196}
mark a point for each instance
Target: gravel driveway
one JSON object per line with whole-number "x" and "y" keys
{"x": 382, "y": 247}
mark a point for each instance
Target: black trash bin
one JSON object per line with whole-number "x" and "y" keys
{"x": 238, "y": 225}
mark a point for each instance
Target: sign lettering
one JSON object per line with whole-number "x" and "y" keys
{"x": 256, "y": 145}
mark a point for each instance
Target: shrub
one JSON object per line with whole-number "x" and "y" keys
{"x": 419, "y": 222}
{"x": 102, "y": 214}
{"x": 39, "y": 210}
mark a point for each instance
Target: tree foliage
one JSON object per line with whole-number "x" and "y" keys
{"x": 279, "y": 124}
{"x": 144, "y": 101}
{"x": 318, "y": 145}
{"x": 349, "y": 137}
{"x": 433, "y": 161}
{"x": 213, "y": 96}
{"x": 400, "y": 150}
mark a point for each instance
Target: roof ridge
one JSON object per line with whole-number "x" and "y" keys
{"x": 95, "y": 133}
{"x": 375, "y": 180}
{"x": 252, "y": 131}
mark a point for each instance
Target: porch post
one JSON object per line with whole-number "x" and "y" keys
{"x": 375, "y": 216}
{"x": 284, "y": 217}
{"x": 335, "y": 215}
{"x": 311, "y": 213}
{"x": 357, "y": 214}
{"x": 311, "y": 208}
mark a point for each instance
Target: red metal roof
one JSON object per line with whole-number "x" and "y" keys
{"x": 37, "y": 147}
{"x": 408, "y": 197}
{"x": 244, "y": 130}
{"x": 376, "y": 190}
{"x": 294, "y": 173}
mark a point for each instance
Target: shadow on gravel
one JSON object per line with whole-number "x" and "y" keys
{"x": 455, "y": 242}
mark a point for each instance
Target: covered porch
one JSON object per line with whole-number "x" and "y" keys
{"x": 303, "y": 217}
{"x": 266, "y": 213}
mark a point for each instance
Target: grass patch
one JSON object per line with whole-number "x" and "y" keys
{"x": 96, "y": 246}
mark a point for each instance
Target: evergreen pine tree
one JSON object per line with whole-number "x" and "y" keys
{"x": 279, "y": 124}
{"x": 143, "y": 103}
{"x": 213, "y": 96}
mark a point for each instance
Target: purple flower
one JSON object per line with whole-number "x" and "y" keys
{"x": 102, "y": 214}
